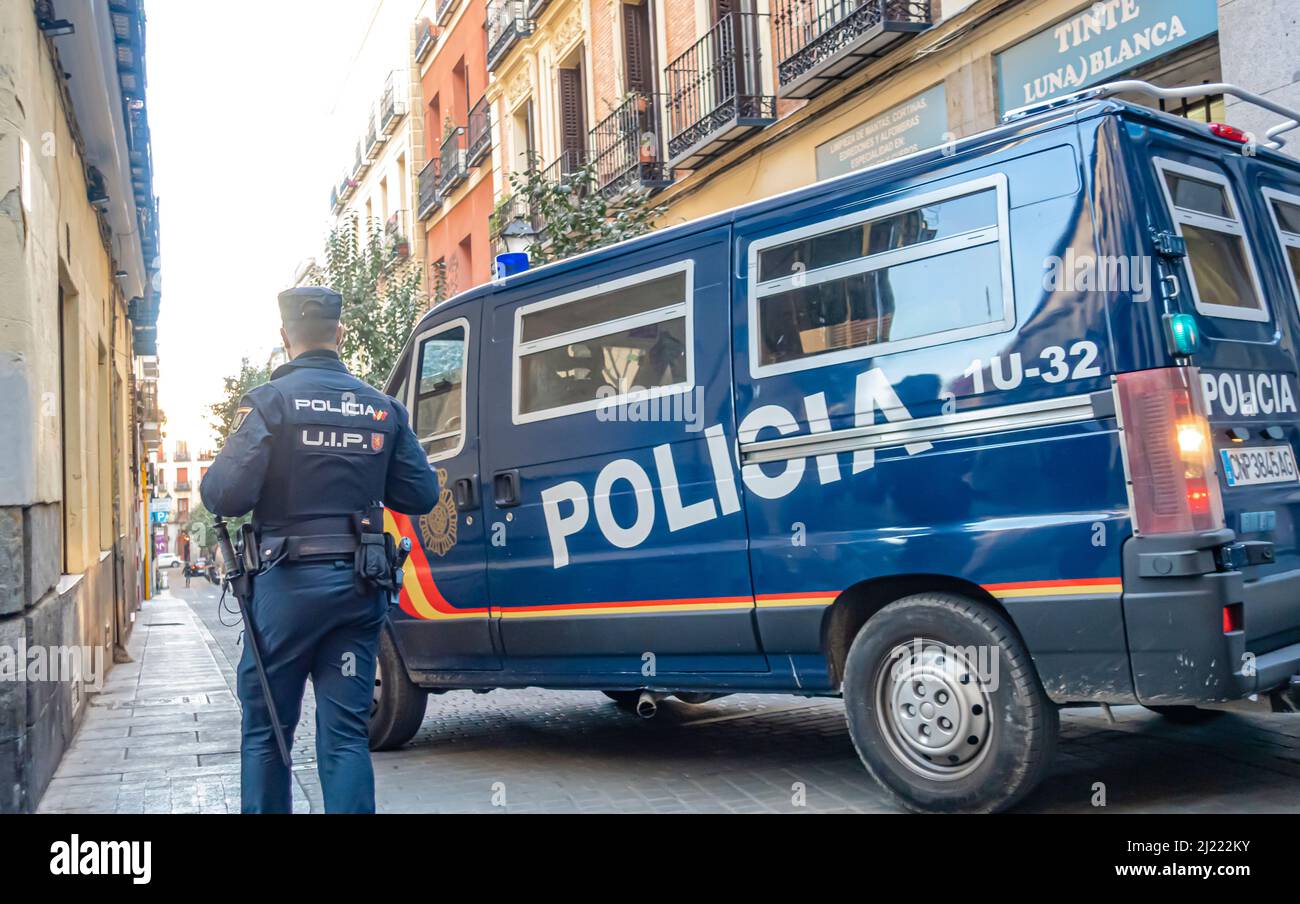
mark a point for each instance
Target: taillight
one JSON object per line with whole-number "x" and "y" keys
{"x": 1229, "y": 133}
{"x": 1169, "y": 451}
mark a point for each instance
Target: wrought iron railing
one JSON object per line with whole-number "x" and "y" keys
{"x": 717, "y": 82}
{"x": 625, "y": 147}
{"x": 507, "y": 22}
{"x": 372, "y": 134}
{"x": 429, "y": 196}
{"x": 809, "y": 33}
{"x": 425, "y": 37}
{"x": 452, "y": 161}
{"x": 392, "y": 106}
{"x": 444, "y": 10}
{"x": 480, "y": 132}
{"x": 569, "y": 162}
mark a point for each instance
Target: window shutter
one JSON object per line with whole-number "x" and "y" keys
{"x": 636, "y": 47}
{"x": 572, "y": 131}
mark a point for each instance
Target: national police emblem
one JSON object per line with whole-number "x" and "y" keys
{"x": 438, "y": 527}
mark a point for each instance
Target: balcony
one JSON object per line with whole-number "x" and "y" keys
{"x": 625, "y": 149}
{"x": 425, "y": 38}
{"x": 392, "y": 106}
{"x": 399, "y": 246}
{"x": 361, "y": 164}
{"x": 715, "y": 91}
{"x": 429, "y": 196}
{"x": 819, "y": 42}
{"x": 480, "y": 133}
{"x": 507, "y": 22}
{"x": 347, "y": 185}
{"x": 451, "y": 157}
{"x": 182, "y": 486}
{"x": 535, "y": 8}
{"x": 374, "y": 140}
{"x": 445, "y": 9}
{"x": 565, "y": 166}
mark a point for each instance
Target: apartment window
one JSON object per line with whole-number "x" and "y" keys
{"x": 182, "y": 508}
{"x": 1285, "y": 210}
{"x": 638, "y": 60}
{"x": 439, "y": 404}
{"x": 917, "y": 272}
{"x": 619, "y": 341}
{"x": 1220, "y": 268}
{"x": 524, "y": 139}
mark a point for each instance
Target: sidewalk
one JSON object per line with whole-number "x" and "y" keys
{"x": 163, "y": 736}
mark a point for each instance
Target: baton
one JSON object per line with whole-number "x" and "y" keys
{"x": 237, "y": 578}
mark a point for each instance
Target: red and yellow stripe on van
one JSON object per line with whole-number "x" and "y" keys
{"x": 1042, "y": 589}
{"x": 420, "y": 596}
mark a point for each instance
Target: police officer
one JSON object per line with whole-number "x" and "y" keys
{"x": 310, "y": 453}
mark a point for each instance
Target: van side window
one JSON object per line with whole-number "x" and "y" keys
{"x": 1285, "y": 210}
{"x": 598, "y": 346}
{"x": 1223, "y": 277}
{"x": 439, "y": 403}
{"x": 917, "y": 272}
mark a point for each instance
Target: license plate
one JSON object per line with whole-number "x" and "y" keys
{"x": 1258, "y": 464}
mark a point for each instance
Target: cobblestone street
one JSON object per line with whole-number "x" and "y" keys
{"x": 164, "y": 737}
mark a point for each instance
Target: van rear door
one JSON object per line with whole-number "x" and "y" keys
{"x": 1234, "y": 281}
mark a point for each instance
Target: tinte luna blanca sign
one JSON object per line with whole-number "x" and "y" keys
{"x": 1096, "y": 45}
{"x": 911, "y": 126}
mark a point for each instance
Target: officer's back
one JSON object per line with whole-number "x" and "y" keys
{"x": 312, "y": 453}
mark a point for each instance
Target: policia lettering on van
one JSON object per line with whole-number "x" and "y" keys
{"x": 913, "y": 476}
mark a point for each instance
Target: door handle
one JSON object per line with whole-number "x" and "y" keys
{"x": 505, "y": 488}
{"x": 463, "y": 491}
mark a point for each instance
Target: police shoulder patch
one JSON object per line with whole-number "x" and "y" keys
{"x": 240, "y": 415}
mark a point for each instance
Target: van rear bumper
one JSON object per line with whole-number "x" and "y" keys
{"x": 1174, "y": 601}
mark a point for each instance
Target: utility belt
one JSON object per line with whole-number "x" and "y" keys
{"x": 377, "y": 559}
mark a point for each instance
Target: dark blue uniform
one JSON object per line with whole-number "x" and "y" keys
{"x": 309, "y": 450}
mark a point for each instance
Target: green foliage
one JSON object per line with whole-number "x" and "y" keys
{"x": 574, "y": 216}
{"x": 202, "y": 528}
{"x": 382, "y": 298}
{"x": 222, "y": 414}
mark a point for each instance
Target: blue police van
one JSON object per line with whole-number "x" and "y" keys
{"x": 998, "y": 427}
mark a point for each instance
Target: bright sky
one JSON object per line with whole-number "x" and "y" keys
{"x": 244, "y": 149}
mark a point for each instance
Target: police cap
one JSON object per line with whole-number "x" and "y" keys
{"x": 306, "y": 302}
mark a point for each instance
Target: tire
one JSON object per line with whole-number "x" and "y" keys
{"x": 623, "y": 698}
{"x": 399, "y": 705}
{"x": 1187, "y": 715}
{"x": 979, "y": 738}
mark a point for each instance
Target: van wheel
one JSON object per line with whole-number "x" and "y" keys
{"x": 944, "y": 705}
{"x": 697, "y": 697}
{"x": 623, "y": 698}
{"x": 1187, "y": 715}
{"x": 398, "y": 705}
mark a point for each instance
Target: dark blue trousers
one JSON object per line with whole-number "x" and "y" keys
{"x": 311, "y": 623}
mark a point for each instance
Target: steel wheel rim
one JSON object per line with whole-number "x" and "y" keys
{"x": 933, "y": 709}
{"x": 377, "y": 693}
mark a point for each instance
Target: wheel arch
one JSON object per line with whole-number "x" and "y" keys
{"x": 852, "y": 609}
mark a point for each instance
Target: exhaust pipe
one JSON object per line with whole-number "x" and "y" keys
{"x": 647, "y": 705}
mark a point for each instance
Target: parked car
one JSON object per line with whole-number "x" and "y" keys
{"x": 964, "y": 437}
{"x": 168, "y": 560}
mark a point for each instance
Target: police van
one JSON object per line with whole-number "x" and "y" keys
{"x": 998, "y": 427}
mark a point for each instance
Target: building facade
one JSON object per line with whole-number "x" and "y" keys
{"x": 715, "y": 102}
{"x": 177, "y": 474}
{"x": 456, "y": 189}
{"x": 380, "y": 144}
{"x": 78, "y": 263}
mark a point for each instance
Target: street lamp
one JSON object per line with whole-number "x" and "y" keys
{"x": 518, "y": 236}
